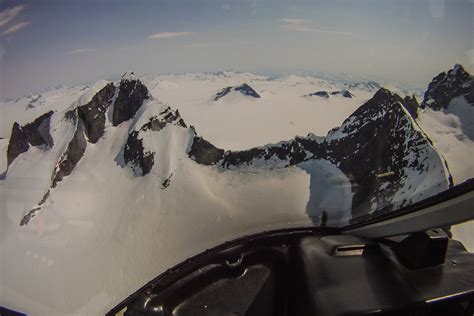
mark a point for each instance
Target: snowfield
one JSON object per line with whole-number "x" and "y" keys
{"x": 109, "y": 227}
{"x": 237, "y": 122}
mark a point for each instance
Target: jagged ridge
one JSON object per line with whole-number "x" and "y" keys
{"x": 447, "y": 86}
{"x": 34, "y": 134}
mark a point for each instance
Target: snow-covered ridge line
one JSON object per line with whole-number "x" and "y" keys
{"x": 89, "y": 122}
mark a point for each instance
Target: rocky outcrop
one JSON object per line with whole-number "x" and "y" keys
{"x": 345, "y": 93}
{"x": 34, "y": 101}
{"x": 167, "y": 182}
{"x": 136, "y": 157}
{"x": 18, "y": 143}
{"x": 132, "y": 93}
{"x": 322, "y": 94}
{"x": 222, "y": 93}
{"x": 247, "y": 90}
{"x": 93, "y": 113}
{"x": 205, "y": 153}
{"x": 35, "y": 210}
{"x": 244, "y": 89}
{"x": 411, "y": 105}
{"x": 71, "y": 156}
{"x": 447, "y": 86}
{"x": 35, "y": 133}
{"x": 168, "y": 116}
{"x": 135, "y": 154}
{"x": 368, "y": 86}
{"x": 279, "y": 155}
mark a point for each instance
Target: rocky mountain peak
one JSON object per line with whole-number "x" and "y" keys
{"x": 135, "y": 155}
{"x": 448, "y": 85}
{"x": 132, "y": 93}
{"x": 35, "y": 133}
{"x": 129, "y": 76}
{"x": 93, "y": 113}
{"x": 324, "y": 94}
{"x": 244, "y": 89}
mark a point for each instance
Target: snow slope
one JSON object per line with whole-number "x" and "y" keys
{"x": 238, "y": 122}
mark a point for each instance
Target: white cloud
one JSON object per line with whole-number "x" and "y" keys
{"x": 7, "y": 15}
{"x": 199, "y": 45}
{"x": 168, "y": 35}
{"x": 81, "y": 50}
{"x": 304, "y": 25}
{"x": 288, "y": 21}
{"x": 15, "y": 28}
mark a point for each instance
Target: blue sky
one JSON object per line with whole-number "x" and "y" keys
{"x": 48, "y": 43}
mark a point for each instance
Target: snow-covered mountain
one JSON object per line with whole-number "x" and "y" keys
{"x": 243, "y": 89}
{"x": 105, "y": 173}
{"x": 447, "y": 117}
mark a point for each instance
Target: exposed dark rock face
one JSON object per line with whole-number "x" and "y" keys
{"x": 279, "y": 155}
{"x": 71, "y": 156}
{"x": 411, "y": 105}
{"x": 448, "y": 85}
{"x": 322, "y": 94}
{"x": 244, "y": 88}
{"x": 28, "y": 216}
{"x": 35, "y": 101}
{"x": 272, "y": 156}
{"x": 346, "y": 94}
{"x": 369, "y": 85}
{"x": 18, "y": 143}
{"x": 34, "y": 134}
{"x": 71, "y": 116}
{"x": 93, "y": 113}
{"x": 222, "y": 93}
{"x": 167, "y": 117}
{"x": 34, "y": 211}
{"x": 37, "y": 132}
{"x": 132, "y": 94}
{"x": 167, "y": 182}
{"x": 204, "y": 152}
{"x": 134, "y": 154}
